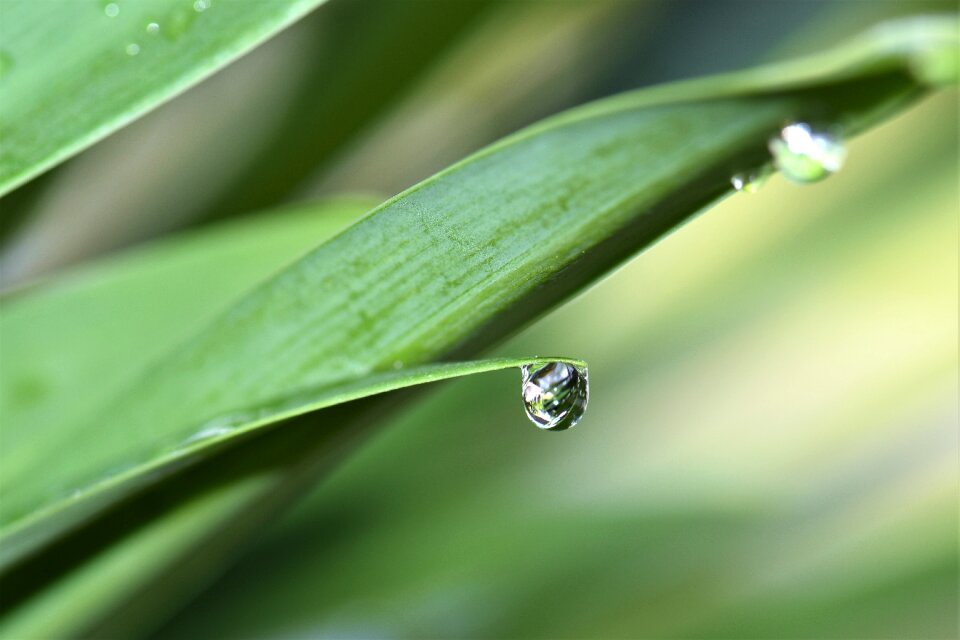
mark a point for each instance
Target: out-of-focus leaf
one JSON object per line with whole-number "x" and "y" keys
{"x": 159, "y": 172}
{"x": 72, "y": 72}
{"x": 347, "y": 91}
{"x": 523, "y": 61}
{"x": 297, "y": 100}
{"x": 109, "y": 320}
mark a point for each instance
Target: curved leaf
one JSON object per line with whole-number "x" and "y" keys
{"x": 529, "y": 219}
{"x": 184, "y": 526}
{"x": 72, "y": 72}
{"x": 716, "y": 300}
{"x": 113, "y": 318}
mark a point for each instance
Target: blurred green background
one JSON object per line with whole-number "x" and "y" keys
{"x": 771, "y": 448}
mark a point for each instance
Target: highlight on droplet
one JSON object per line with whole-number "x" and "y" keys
{"x": 555, "y": 394}
{"x": 804, "y": 154}
{"x": 752, "y": 180}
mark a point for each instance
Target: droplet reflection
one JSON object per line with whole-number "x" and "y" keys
{"x": 804, "y": 155}
{"x": 555, "y": 395}
{"x": 751, "y": 181}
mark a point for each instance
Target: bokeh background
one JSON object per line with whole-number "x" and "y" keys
{"x": 771, "y": 448}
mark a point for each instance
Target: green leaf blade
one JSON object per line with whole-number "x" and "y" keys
{"x": 352, "y": 308}
{"x": 72, "y": 73}
{"x": 143, "y": 303}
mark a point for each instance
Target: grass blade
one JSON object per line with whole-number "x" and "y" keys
{"x": 143, "y": 303}
{"x": 106, "y": 66}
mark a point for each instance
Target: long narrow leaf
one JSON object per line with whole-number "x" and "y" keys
{"x": 115, "y": 317}
{"x": 72, "y": 72}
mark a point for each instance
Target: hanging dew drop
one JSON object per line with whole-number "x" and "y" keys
{"x": 555, "y": 395}
{"x": 111, "y": 9}
{"x": 805, "y": 155}
{"x": 751, "y": 181}
{"x": 153, "y": 28}
{"x": 133, "y": 49}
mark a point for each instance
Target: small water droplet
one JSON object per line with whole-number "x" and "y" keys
{"x": 111, "y": 9}
{"x": 398, "y": 364}
{"x": 206, "y": 433}
{"x": 153, "y": 28}
{"x": 6, "y": 64}
{"x": 555, "y": 395}
{"x": 133, "y": 49}
{"x": 201, "y": 5}
{"x": 751, "y": 181}
{"x": 217, "y": 427}
{"x": 806, "y": 155}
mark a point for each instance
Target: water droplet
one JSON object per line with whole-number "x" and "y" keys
{"x": 201, "y": 5}
{"x": 133, "y": 49}
{"x": 153, "y": 28}
{"x": 751, "y": 181}
{"x": 398, "y": 364}
{"x": 215, "y": 428}
{"x": 6, "y": 64}
{"x": 805, "y": 155}
{"x": 555, "y": 395}
{"x": 207, "y": 433}
{"x": 111, "y": 9}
